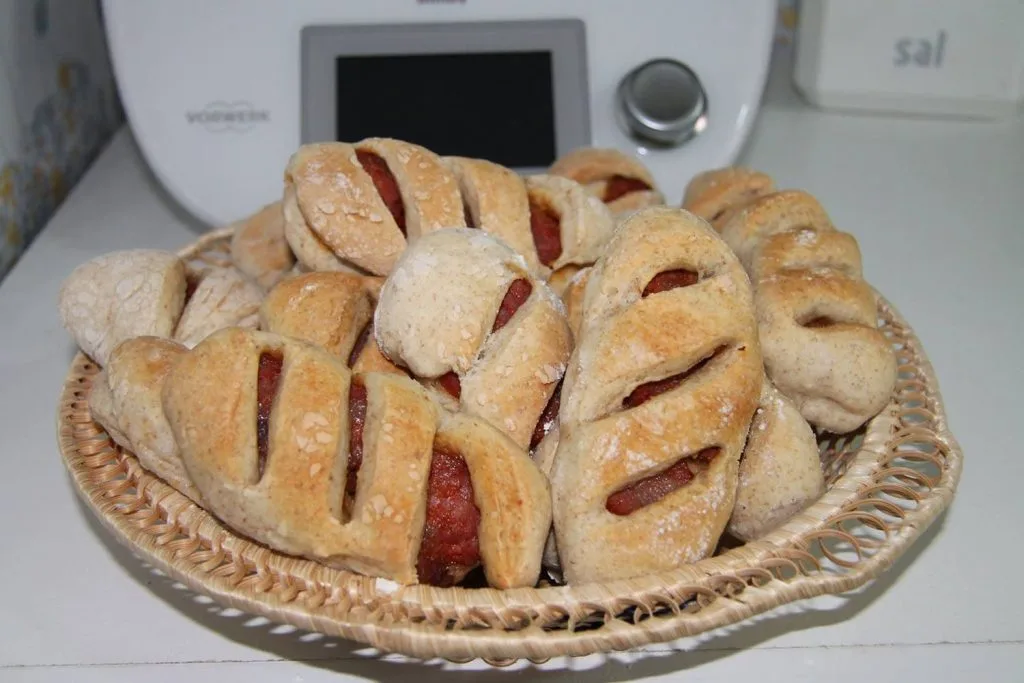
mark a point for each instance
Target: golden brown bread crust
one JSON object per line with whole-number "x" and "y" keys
{"x": 259, "y": 248}
{"x": 593, "y": 167}
{"x": 336, "y": 219}
{"x": 122, "y": 295}
{"x": 780, "y": 470}
{"x": 573, "y": 298}
{"x": 714, "y": 194}
{"x": 436, "y": 314}
{"x": 329, "y": 309}
{"x": 817, "y": 316}
{"x": 210, "y": 400}
{"x": 497, "y": 203}
{"x": 126, "y": 400}
{"x": 224, "y": 297}
{"x": 627, "y": 340}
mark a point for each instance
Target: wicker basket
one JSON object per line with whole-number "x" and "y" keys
{"x": 886, "y": 484}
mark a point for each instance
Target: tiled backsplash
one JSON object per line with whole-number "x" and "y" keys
{"x": 58, "y": 107}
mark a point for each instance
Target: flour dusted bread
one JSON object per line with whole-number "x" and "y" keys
{"x": 126, "y": 400}
{"x": 780, "y": 470}
{"x": 570, "y": 226}
{"x": 463, "y": 309}
{"x": 817, "y": 316}
{"x": 715, "y": 194}
{"x": 259, "y": 248}
{"x": 223, "y": 297}
{"x": 618, "y": 180}
{"x": 353, "y": 206}
{"x": 359, "y": 471}
{"x": 121, "y": 295}
{"x": 656, "y": 402}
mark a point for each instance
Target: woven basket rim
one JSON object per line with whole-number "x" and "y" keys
{"x": 172, "y": 533}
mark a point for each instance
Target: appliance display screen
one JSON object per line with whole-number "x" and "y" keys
{"x": 492, "y": 105}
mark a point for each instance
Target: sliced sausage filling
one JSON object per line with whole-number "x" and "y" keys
{"x": 268, "y": 378}
{"x": 356, "y": 422}
{"x": 545, "y": 224}
{"x": 619, "y": 186}
{"x": 467, "y": 216}
{"x": 515, "y": 296}
{"x": 360, "y": 344}
{"x": 819, "y": 322}
{"x": 451, "y": 545}
{"x": 384, "y": 181}
{"x": 548, "y": 417}
{"x": 649, "y": 490}
{"x": 451, "y": 383}
{"x": 671, "y": 279}
{"x": 645, "y": 392}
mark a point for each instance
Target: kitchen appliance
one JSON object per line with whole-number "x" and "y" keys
{"x": 220, "y": 94}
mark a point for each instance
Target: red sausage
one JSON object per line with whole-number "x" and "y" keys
{"x": 547, "y": 418}
{"x": 820, "y": 321}
{"x": 451, "y": 545}
{"x": 267, "y": 378}
{"x": 356, "y": 421}
{"x": 387, "y": 186}
{"x": 545, "y": 225}
{"x": 671, "y": 279}
{"x": 651, "y": 489}
{"x": 360, "y": 344}
{"x": 620, "y": 185}
{"x": 450, "y": 383}
{"x": 645, "y": 392}
{"x": 515, "y": 296}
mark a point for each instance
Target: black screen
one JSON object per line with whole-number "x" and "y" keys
{"x": 496, "y": 106}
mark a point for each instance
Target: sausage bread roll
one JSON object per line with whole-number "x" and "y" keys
{"x": 462, "y": 309}
{"x": 618, "y": 180}
{"x": 817, "y": 317}
{"x": 656, "y": 401}
{"x": 355, "y": 206}
{"x": 359, "y": 471}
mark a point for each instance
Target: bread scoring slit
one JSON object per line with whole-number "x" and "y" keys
{"x": 671, "y": 279}
{"x": 645, "y": 392}
{"x": 653, "y": 488}
{"x": 618, "y": 186}
{"x": 515, "y": 296}
{"x": 450, "y": 548}
{"x": 545, "y": 225}
{"x": 384, "y": 181}
{"x": 819, "y": 322}
{"x": 467, "y": 216}
{"x": 268, "y": 377}
{"x": 547, "y": 417}
{"x": 357, "y": 421}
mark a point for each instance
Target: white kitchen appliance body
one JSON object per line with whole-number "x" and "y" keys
{"x": 220, "y": 94}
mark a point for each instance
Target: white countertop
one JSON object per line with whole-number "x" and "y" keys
{"x": 937, "y": 207}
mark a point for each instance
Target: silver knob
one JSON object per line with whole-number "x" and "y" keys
{"x": 662, "y": 102}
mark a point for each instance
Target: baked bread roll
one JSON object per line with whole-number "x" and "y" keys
{"x": 714, "y": 194}
{"x": 780, "y": 469}
{"x": 222, "y": 297}
{"x": 462, "y": 309}
{"x": 122, "y": 295}
{"x": 618, "y": 180}
{"x": 354, "y": 206}
{"x": 259, "y": 248}
{"x": 550, "y": 221}
{"x": 332, "y": 310}
{"x": 817, "y": 316}
{"x": 361, "y": 472}
{"x": 656, "y": 402}
{"x": 126, "y": 401}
